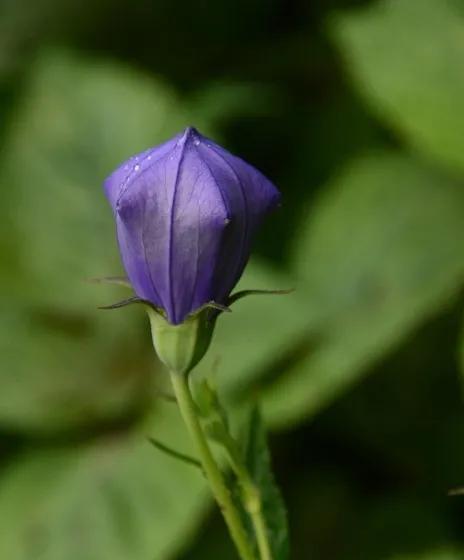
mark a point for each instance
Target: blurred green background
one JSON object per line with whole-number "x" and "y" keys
{"x": 355, "y": 109}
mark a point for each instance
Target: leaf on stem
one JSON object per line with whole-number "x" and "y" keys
{"x": 258, "y": 463}
{"x": 174, "y": 454}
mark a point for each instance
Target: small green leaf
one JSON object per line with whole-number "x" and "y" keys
{"x": 205, "y": 397}
{"x": 178, "y": 455}
{"x": 258, "y": 464}
{"x": 214, "y": 417}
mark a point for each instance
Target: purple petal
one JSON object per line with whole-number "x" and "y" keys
{"x": 186, "y": 212}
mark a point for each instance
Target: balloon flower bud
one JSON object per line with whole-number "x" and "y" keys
{"x": 186, "y": 213}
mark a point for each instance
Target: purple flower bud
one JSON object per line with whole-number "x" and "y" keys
{"x": 186, "y": 212}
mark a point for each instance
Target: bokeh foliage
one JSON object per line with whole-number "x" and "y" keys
{"x": 356, "y": 110}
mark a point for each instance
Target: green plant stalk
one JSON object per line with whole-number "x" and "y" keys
{"x": 210, "y": 467}
{"x": 251, "y": 500}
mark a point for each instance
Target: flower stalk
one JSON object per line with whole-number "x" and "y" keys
{"x": 252, "y": 502}
{"x": 210, "y": 467}
{"x": 250, "y": 494}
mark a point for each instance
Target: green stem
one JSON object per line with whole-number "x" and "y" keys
{"x": 261, "y": 536}
{"x": 253, "y": 505}
{"x": 250, "y": 494}
{"x": 210, "y": 467}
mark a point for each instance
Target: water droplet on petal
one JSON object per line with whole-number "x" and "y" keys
{"x": 196, "y": 142}
{"x": 136, "y": 167}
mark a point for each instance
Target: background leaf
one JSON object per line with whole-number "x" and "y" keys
{"x": 268, "y": 80}
{"x": 76, "y": 122}
{"x": 374, "y": 262}
{"x": 416, "y": 81}
{"x": 113, "y": 498}
{"x": 63, "y": 363}
{"x": 71, "y": 371}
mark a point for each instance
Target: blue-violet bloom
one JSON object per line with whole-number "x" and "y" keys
{"x": 186, "y": 213}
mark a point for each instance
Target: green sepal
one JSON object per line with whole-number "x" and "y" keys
{"x": 122, "y": 303}
{"x": 181, "y": 347}
{"x": 114, "y": 280}
{"x": 245, "y": 293}
{"x": 130, "y": 301}
{"x": 212, "y": 305}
